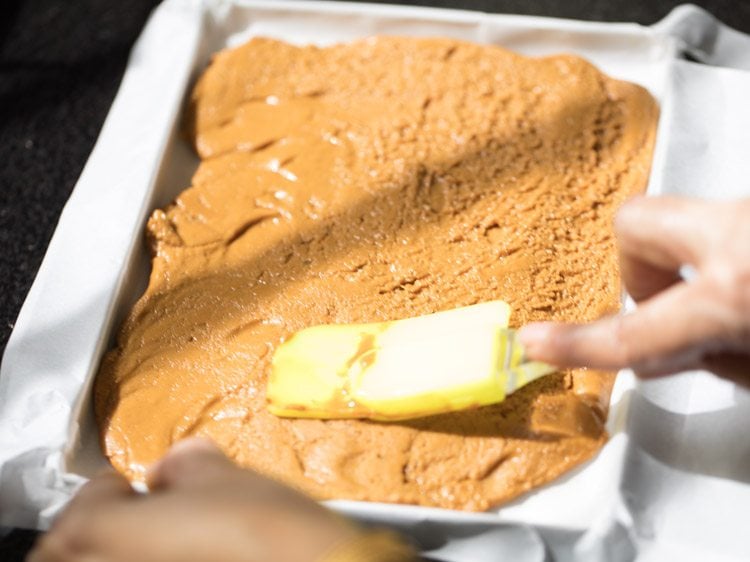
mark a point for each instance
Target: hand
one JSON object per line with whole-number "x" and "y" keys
{"x": 679, "y": 324}
{"x": 202, "y": 507}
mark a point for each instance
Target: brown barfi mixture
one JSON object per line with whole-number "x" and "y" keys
{"x": 377, "y": 180}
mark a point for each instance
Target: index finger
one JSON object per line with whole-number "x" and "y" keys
{"x": 668, "y": 333}
{"x": 102, "y": 488}
{"x": 105, "y": 485}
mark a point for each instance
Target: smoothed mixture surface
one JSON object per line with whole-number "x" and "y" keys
{"x": 377, "y": 180}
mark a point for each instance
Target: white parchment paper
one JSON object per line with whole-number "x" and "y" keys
{"x": 674, "y": 478}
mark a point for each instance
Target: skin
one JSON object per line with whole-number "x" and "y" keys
{"x": 680, "y": 324}
{"x": 201, "y": 507}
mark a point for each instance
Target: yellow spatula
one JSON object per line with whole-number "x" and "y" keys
{"x": 442, "y": 362}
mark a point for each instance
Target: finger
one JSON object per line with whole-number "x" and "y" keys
{"x": 51, "y": 548}
{"x": 656, "y": 236}
{"x": 731, "y": 366}
{"x": 188, "y": 462}
{"x": 104, "y": 486}
{"x": 642, "y": 279}
{"x": 665, "y": 231}
{"x": 666, "y": 334}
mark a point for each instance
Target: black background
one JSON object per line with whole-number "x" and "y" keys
{"x": 60, "y": 66}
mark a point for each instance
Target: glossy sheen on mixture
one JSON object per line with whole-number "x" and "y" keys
{"x": 377, "y": 180}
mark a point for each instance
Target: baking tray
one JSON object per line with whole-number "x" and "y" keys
{"x": 97, "y": 263}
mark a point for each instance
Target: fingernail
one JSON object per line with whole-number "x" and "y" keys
{"x": 194, "y": 444}
{"x": 534, "y": 337}
{"x": 183, "y": 447}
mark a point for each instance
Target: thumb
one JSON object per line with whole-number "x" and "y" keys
{"x": 188, "y": 462}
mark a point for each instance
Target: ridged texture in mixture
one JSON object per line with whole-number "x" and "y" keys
{"x": 377, "y": 180}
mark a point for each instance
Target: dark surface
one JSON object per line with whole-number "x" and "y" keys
{"x": 60, "y": 66}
